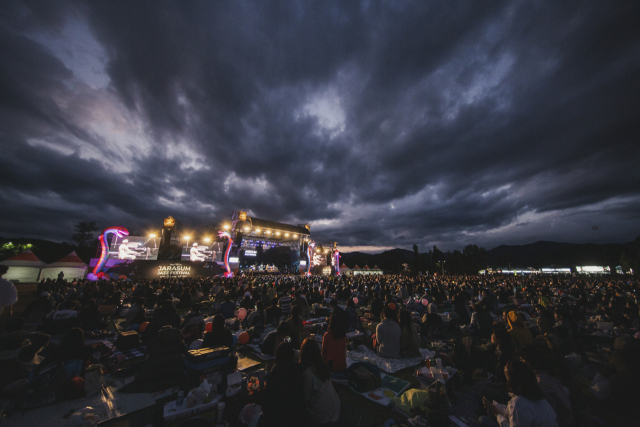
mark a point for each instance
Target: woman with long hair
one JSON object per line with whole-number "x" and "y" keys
{"x": 409, "y": 335}
{"x": 283, "y": 393}
{"x": 527, "y": 407}
{"x": 296, "y": 325}
{"x": 334, "y": 343}
{"x": 219, "y": 335}
{"x": 320, "y": 398}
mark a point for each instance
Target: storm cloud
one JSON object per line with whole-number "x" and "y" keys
{"x": 383, "y": 124}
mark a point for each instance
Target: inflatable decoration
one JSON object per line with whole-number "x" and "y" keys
{"x": 312, "y": 244}
{"x": 243, "y": 338}
{"x": 425, "y": 302}
{"x": 104, "y": 255}
{"x": 225, "y": 234}
{"x": 242, "y": 313}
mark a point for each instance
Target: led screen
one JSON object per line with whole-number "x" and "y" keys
{"x": 202, "y": 251}
{"x": 134, "y": 247}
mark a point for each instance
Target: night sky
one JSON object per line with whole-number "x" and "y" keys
{"x": 380, "y": 123}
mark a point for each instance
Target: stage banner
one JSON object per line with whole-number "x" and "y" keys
{"x": 167, "y": 269}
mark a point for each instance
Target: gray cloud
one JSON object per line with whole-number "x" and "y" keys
{"x": 381, "y": 123}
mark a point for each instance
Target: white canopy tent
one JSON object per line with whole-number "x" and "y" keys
{"x": 23, "y": 268}
{"x": 71, "y": 265}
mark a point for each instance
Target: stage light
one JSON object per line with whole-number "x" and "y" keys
{"x": 257, "y": 230}
{"x": 187, "y": 237}
{"x": 294, "y": 235}
{"x": 247, "y": 229}
{"x": 226, "y": 226}
{"x": 152, "y": 235}
{"x": 286, "y": 234}
{"x": 206, "y": 239}
{"x": 277, "y": 233}
{"x": 267, "y": 232}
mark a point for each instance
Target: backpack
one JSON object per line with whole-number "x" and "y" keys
{"x": 363, "y": 377}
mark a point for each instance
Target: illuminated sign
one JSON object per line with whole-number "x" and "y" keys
{"x": 249, "y": 252}
{"x": 234, "y": 259}
{"x": 592, "y": 269}
{"x": 303, "y": 262}
{"x": 242, "y": 216}
{"x": 556, "y": 270}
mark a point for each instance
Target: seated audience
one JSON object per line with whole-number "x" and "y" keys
{"x": 334, "y": 343}
{"x": 219, "y": 336}
{"x": 320, "y": 398}
{"x": 388, "y": 335}
{"x": 409, "y": 335}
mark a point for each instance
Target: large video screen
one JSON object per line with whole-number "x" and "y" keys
{"x": 134, "y": 247}
{"x": 202, "y": 251}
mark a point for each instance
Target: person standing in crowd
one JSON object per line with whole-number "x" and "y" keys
{"x": 8, "y": 297}
{"x": 320, "y": 398}
{"x": 227, "y": 308}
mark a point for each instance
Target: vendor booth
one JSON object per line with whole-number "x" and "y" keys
{"x": 23, "y": 268}
{"x": 71, "y": 265}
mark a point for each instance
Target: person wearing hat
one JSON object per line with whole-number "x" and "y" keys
{"x": 195, "y": 254}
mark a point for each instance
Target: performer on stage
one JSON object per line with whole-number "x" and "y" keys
{"x": 124, "y": 252}
{"x": 195, "y": 254}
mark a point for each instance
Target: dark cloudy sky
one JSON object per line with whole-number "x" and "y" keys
{"x": 381, "y": 123}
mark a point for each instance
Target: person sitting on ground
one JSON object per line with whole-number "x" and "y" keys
{"x": 219, "y": 336}
{"x": 554, "y": 392}
{"x": 38, "y": 309}
{"x": 528, "y": 407}
{"x": 90, "y": 317}
{"x": 162, "y": 316}
{"x": 351, "y": 315}
{"x": 273, "y": 339}
{"x": 409, "y": 335}
{"x": 320, "y": 398}
{"x": 431, "y": 322}
{"x": 376, "y": 306}
{"x": 284, "y": 403}
{"x": 296, "y": 326}
{"x": 334, "y": 343}
{"x": 135, "y": 316}
{"x": 285, "y": 303}
{"x": 388, "y": 335}
{"x": 521, "y": 335}
{"x": 299, "y": 301}
{"x": 258, "y": 318}
{"x": 505, "y": 350}
{"x": 193, "y": 324}
{"x": 274, "y": 313}
{"x": 247, "y": 302}
{"x": 227, "y": 308}
{"x": 482, "y": 320}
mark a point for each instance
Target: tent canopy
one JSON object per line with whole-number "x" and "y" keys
{"x": 23, "y": 268}
{"x": 71, "y": 265}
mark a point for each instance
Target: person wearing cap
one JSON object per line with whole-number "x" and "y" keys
{"x": 124, "y": 252}
{"x": 195, "y": 254}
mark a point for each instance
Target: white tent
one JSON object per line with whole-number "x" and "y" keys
{"x": 71, "y": 265}
{"x": 23, "y": 268}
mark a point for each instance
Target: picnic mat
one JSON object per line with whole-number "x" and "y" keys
{"x": 245, "y": 362}
{"x": 391, "y": 387}
{"x": 363, "y": 354}
{"x": 125, "y": 355}
{"x": 256, "y": 350}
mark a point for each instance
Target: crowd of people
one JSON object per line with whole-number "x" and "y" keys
{"x": 515, "y": 331}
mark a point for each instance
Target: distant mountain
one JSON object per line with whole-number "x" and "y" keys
{"x": 536, "y": 255}
{"x": 546, "y": 254}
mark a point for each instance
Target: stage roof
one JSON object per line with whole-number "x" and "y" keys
{"x": 263, "y": 223}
